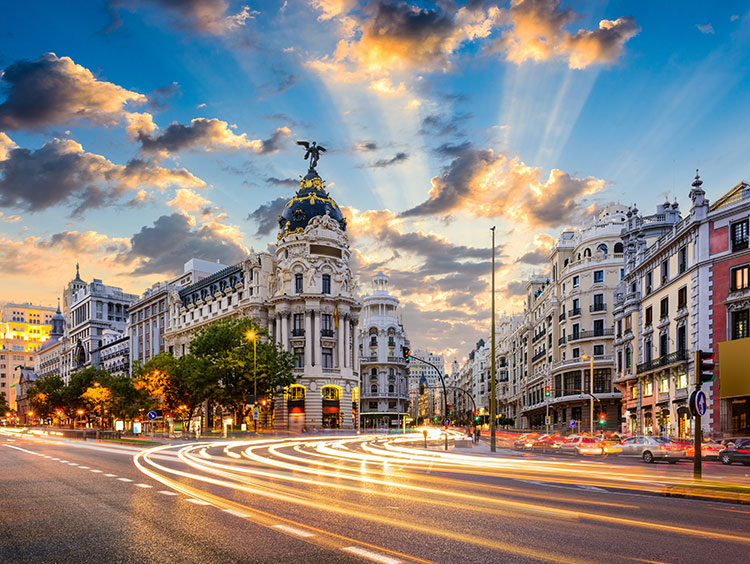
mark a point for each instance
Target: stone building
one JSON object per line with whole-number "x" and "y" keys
{"x": 24, "y": 328}
{"x": 303, "y": 295}
{"x": 384, "y": 392}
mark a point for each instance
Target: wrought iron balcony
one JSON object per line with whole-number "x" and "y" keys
{"x": 326, "y": 332}
{"x": 591, "y": 334}
{"x": 597, "y": 307}
{"x": 298, "y": 332}
{"x": 665, "y": 360}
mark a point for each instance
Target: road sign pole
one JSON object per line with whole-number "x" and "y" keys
{"x": 697, "y": 454}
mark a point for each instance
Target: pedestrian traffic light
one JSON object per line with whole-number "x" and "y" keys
{"x": 602, "y": 419}
{"x": 703, "y": 368}
{"x": 546, "y": 391}
{"x": 407, "y": 353}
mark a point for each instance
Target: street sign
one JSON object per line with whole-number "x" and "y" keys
{"x": 256, "y": 413}
{"x": 446, "y": 421}
{"x": 572, "y": 423}
{"x": 698, "y": 403}
{"x": 547, "y": 420}
{"x": 152, "y": 415}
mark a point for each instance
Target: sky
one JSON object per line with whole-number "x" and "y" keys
{"x": 137, "y": 134}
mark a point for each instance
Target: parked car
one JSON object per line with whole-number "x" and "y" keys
{"x": 740, "y": 452}
{"x": 650, "y": 449}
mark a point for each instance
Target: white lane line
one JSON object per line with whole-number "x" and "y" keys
{"x": 144, "y": 486}
{"x": 235, "y": 513}
{"x": 63, "y": 461}
{"x": 591, "y": 488}
{"x": 83, "y": 467}
{"x": 72, "y": 464}
{"x": 55, "y": 459}
{"x": 198, "y": 501}
{"x": 363, "y": 552}
{"x": 111, "y": 475}
{"x": 294, "y": 531}
{"x": 166, "y": 492}
{"x": 125, "y": 479}
{"x": 96, "y": 471}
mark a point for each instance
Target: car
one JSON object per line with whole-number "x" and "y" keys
{"x": 709, "y": 450}
{"x": 650, "y": 449}
{"x": 547, "y": 443}
{"x": 612, "y": 444}
{"x": 740, "y": 452}
{"x": 525, "y": 441}
{"x": 582, "y": 446}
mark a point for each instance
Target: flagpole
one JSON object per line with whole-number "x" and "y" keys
{"x": 493, "y": 398}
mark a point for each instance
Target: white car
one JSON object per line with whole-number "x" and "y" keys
{"x": 653, "y": 448}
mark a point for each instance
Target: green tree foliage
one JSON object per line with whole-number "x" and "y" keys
{"x": 4, "y": 407}
{"x": 236, "y": 352}
{"x": 46, "y": 395}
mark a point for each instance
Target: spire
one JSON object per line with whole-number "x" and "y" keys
{"x": 58, "y": 306}
{"x": 78, "y": 274}
{"x": 697, "y": 193}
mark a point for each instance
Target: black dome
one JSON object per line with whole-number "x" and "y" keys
{"x": 311, "y": 200}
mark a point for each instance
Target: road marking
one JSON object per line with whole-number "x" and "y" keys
{"x": 371, "y": 555}
{"x": 55, "y": 459}
{"x": 125, "y": 479}
{"x": 83, "y": 467}
{"x": 294, "y": 531}
{"x": 166, "y": 492}
{"x": 591, "y": 488}
{"x": 144, "y": 486}
{"x": 111, "y": 475}
{"x": 64, "y": 461}
{"x": 732, "y": 510}
{"x": 96, "y": 471}
{"x": 198, "y": 501}
{"x": 236, "y": 513}
{"x": 72, "y": 464}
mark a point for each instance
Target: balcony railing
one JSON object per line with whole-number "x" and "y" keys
{"x": 326, "y": 332}
{"x": 666, "y": 360}
{"x": 538, "y": 355}
{"x": 538, "y": 336}
{"x": 591, "y": 334}
{"x": 597, "y": 307}
{"x": 298, "y": 332}
{"x": 575, "y": 311}
{"x": 562, "y": 340}
{"x": 562, "y": 316}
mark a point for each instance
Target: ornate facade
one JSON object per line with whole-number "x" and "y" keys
{"x": 303, "y": 295}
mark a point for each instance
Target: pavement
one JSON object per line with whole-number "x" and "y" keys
{"x": 345, "y": 499}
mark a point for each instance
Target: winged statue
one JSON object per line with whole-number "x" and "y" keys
{"x": 312, "y": 152}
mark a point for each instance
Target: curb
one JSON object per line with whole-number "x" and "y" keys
{"x": 706, "y": 495}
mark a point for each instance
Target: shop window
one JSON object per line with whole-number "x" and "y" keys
{"x": 634, "y": 392}
{"x": 648, "y": 389}
{"x": 682, "y": 381}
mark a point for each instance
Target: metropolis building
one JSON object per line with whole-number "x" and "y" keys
{"x": 303, "y": 295}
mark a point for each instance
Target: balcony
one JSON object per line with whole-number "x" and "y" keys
{"x": 327, "y": 370}
{"x": 326, "y": 333}
{"x": 371, "y": 358}
{"x": 662, "y": 361}
{"x": 591, "y": 334}
{"x": 541, "y": 354}
{"x": 570, "y": 362}
{"x": 562, "y": 340}
{"x": 575, "y": 312}
{"x": 538, "y": 336}
{"x": 298, "y": 332}
{"x": 397, "y": 359}
{"x": 597, "y": 307}
{"x": 562, "y": 317}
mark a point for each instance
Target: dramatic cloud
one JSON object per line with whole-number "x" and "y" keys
{"x": 266, "y": 216}
{"x": 6, "y": 144}
{"x": 56, "y": 91}
{"x": 450, "y": 150}
{"x": 292, "y": 182}
{"x": 542, "y": 246}
{"x": 382, "y": 163}
{"x": 61, "y": 172}
{"x": 86, "y": 242}
{"x": 537, "y": 33}
{"x": 187, "y": 201}
{"x": 489, "y": 184}
{"x": 439, "y": 125}
{"x": 201, "y": 16}
{"x": 209, "y": 135}
{"x": 173, "y": 240}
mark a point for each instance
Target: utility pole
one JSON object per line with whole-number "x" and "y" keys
{"x": 493, "y": 399}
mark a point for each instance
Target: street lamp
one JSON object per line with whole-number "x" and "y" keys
{"x": 251, "y": 335}
{"x": 591, "y": 389}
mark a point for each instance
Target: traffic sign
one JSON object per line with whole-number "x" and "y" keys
{"x": 152, "y": 415}
{"x": 698, "y": 403}
{"x": 256, "y": 413}
{"x": 446, "y": 421}
{"x": 547, "y": 420}
{"x": 572, "y": 423}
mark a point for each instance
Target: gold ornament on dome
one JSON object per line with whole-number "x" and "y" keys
{"x": 315, "y": 182}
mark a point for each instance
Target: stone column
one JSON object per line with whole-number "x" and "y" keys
{"x": 316, "y": 340}
{"x": 285, "y": 331}
{"x": 277, "y": 328}
{"x": 341, "y": 345}
{"x": 308, "y": 341}
{"x": 345, "y": 346}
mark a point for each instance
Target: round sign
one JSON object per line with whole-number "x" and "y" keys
{"x": 446, "y": 421}
{"x": 152, "y": 415}
{"x": 698, "y": 403}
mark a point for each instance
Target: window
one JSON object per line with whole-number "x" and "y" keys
{"x": 619, "y": 327}
{"x": 647, "y": 350}
{"x": 599, "y": 328}
{"x": 576, "y": 281}
{"x": 602, "y": 248}
{"x": 628, "y": 358}
{"x": 682, "y": 298}
{"x": 298, "y": 319}
{"x": 664, "y": 271}
{"x": 598, "y": 302}
{"x": 576, "y": 307}
{"x": 648, "y": 283}
{"x": 326, "y": 321}
{"x": 682, "y": 260}
{"x": 298, "y": 283}
{"x": 741, "y": 278}
{"x": 598, "y": 350}
{"x": 619, "y": 361}
{"x": 739, "y": 235}
{"x": 326, "y": 283}
{"x": 598, "y": 276}
{"x": 327, "y": 357}
{"x": 576, "y": 352}
{"x": 299, "y": 357}
{"x": 664, "y": 308}
{"x": 648, "y": 389}
{"x": 576, "y": 331}
{"x": 374, "y": 389}
{"x": 682, "y": 381}
{"x": 649, "y": 316}
{"x": 629, "y": 324}
{"x": 663, "y": 385}
{"x": 391, "y": 388}
{"x": 373, "y": 405}
{"x": 622, "y": 273}
{"x": 740, "y": 329}
{"x": 634, "y": 392}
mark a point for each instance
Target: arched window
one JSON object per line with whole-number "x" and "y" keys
{"x": 618, "y": 247}
{"x": 374, "y": 388}
{"x": 603, "y": 248}
{"x": 391, "y": 389}
{"x": 331, "y": 393}
{"x": 587, "y": 252}
{"x": 295, "y": 392}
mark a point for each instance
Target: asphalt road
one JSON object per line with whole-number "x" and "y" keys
{"x": 356, "y": 499}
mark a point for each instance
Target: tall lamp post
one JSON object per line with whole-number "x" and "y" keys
{"x": 493, "y": 398}
{"x": 591, "y": 389}
{"x": 252, "y": 335}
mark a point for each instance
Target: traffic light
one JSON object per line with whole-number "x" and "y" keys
{"x": 450, "y": 409}
{"x": 547, "y": 391}
{"x": 704, "y": 369}
{"x": 602, "y": 419}
{"x": 436, "y": 418}
{"x": 477, "y": 418}
{"x": 421, "y": 389}
{"x": 407, "y": 353}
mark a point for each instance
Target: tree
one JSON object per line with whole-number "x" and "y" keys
{"x": 99, "y": 399}
{"x": 127, "y": 401}
{"x": 238, "y": 361}
{"x": 46, "y": 395}
{"x": 79, "y": 382}
{"x": 4, "y": 407}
